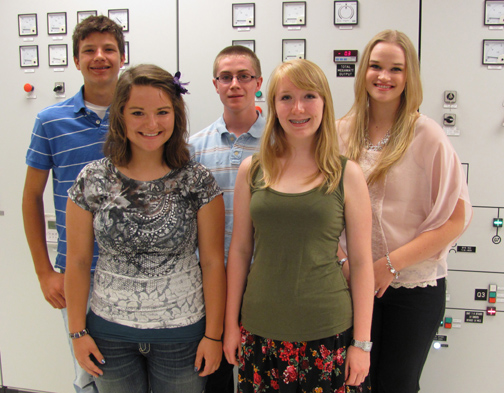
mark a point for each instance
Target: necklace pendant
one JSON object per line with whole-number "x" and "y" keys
{"x": 380, "y": 145}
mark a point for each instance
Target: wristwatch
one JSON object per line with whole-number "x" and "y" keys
{"x": 364, "y": 345}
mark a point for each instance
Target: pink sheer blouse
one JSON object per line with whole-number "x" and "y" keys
{"x": 418, "y": 194}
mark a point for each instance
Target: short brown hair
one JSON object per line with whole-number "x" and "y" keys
{"x": 97, "y": 24}
{"x": 117, "y": 145}
{"x": 238, "y": 50}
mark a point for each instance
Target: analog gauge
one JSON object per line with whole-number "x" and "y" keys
{"x": 244, "y": 15}
{"x": 345, "y": 12}
{"x": 126, "y": 52}
{"x": 493, "y": 52}
{"x": 81, "y": 15}
{"x": 58, "y": 55}
{"x": 294, "y": 13}
{"x": 28, "y": 56}
{"x": 56, "y": 23}
{"x": 293, "y": 49}
{"x": 246, "y": 43}
{"x": 494, "y": 12}
{"x": 121, "y": 17}
{"x": 27, "y": 24}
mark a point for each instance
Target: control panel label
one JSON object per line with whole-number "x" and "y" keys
{"x": 474, "y": 317}
{"x": 480, "y": 294}
{"x": 466, "y": 248}
{"x": 345, "y": 70}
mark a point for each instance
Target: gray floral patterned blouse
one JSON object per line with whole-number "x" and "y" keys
{"x": 147, "y": 275}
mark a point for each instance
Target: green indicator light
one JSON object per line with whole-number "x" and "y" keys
{"x": 497, "y": 222}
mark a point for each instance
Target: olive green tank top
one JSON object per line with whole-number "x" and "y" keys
{"x": 296, "y": 290}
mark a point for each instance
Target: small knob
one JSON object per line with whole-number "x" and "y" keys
{"x": 28, "y": 88}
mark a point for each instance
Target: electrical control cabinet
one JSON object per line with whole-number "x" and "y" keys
{"x": 186, "y": 36}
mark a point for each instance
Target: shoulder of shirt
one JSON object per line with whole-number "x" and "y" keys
{"x": 207, "y": 131}
{"x": 427, "y": 128}
{"x": 55, "y": 110}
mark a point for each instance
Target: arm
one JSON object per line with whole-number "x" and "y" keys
{"x": 358, "y": 232}
{"x": 240, "y": 255}
{"x": 211, "y": 251}
{"x": 80, "y": 239}
{"x": 51, "y": 282}
{"x": 424, "y": 246}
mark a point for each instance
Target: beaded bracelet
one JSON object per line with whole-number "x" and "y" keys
{"x": 391, "y": 268}
{"x": 79, "y": 334}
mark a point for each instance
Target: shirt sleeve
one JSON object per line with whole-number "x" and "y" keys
{"x": 39, "y": 154}
{"x": 203, "y": 187}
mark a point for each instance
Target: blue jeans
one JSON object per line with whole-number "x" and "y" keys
{"x": 83, "y": 382}
{"x": 144, "y": 367}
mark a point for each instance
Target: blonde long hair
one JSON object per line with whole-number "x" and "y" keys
{"x": 307, "y": 76}
{"x": 403, "y": 128}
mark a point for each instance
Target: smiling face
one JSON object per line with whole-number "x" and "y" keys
{"x": 99, "y": 60}
{"x": 149, "y": 119}
{"x": 237, "y": 96}
{"x": 386, "y": 73}
{"x": 299, "y": 111}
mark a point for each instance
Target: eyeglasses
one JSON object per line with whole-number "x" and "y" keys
{"x": 227, "y": 79}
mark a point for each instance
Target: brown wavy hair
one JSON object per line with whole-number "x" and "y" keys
{"x": 117, "y": 145}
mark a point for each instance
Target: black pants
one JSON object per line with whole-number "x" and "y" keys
{"x": 221, "y": 381}
{"x": 405, "y": 321}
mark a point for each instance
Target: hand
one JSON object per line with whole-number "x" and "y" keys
{"x": 232, "y": 344}
{"x": 83, "y": 348}
{"x": 357, "y": 366}
{"x": 52, "y": 285}
{"x": 383, "y": 276}
{"x": 211, "y": 351}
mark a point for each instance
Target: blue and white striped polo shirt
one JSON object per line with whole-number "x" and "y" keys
{"x": 222, "y": 152}
{"x": 65, "y": 138}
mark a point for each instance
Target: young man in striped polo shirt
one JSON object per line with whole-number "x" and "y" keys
{"x": 224, "y": 144}
{"x": 66, "y": 137}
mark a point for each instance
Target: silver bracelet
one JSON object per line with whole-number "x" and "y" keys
{"x": 391, "y": 268}
{"x": 342, "y": 261}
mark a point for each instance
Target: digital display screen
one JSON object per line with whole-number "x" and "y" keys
{"x": 345, "y": 56}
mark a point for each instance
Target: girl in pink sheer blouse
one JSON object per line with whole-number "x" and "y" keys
{"x": 420, "y": 207}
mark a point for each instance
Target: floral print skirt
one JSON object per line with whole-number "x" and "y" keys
{"x": 273, "y": 366}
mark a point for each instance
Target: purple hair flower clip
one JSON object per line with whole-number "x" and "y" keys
{"x": 179, "y": 86}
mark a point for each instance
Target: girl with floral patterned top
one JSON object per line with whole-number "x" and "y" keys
{"x": 157, "y": 311}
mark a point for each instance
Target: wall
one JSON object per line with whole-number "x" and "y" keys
{"x": 187, "y": 35}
